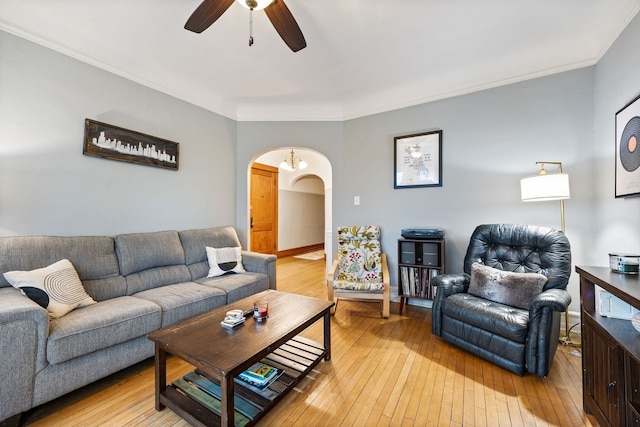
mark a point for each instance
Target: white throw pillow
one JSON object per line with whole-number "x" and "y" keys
{"x": 56, "y": 288}
{"x": 224, "y": 260}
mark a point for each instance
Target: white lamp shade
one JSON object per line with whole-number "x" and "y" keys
{"x": 541, "y": 188}
{"x": 261, "y": 4}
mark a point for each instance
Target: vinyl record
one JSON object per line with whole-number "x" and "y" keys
{"x": 629, "y": 141}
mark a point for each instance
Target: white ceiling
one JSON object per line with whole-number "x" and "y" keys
{"x": 362, "y": 56}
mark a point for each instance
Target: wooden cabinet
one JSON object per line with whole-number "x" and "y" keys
{"x": 611, "y": 350}
{"x": 632, "y": 390}
{"x": 419, "y": 260}
{"x": 602, "y": 362}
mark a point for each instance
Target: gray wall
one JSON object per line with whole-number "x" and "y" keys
{"x": 47, "y": 186}
{"x": 616, "y": 227}
{"x": 491, "y": 139}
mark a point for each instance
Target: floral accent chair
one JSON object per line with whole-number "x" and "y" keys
{"x": 360, "y": 269}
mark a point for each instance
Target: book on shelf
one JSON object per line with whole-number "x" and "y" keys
{"x": 416, "y": 281}
{"x": 260, "y": 375}
{"x": 433, "y": 289}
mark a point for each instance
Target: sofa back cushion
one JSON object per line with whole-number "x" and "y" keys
{"x": 93, "y": 257}
{"x": 196, "y": 241}
{"x": 150, "y": 260}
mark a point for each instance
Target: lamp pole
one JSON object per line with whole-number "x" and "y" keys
{"x": 567, "y": 338}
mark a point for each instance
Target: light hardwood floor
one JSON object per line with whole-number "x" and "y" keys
{"x": 390, "y": 372}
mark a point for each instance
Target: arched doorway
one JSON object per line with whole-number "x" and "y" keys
{"x": 304, "y": 200}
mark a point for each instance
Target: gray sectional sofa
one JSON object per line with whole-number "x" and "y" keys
{"x": 141, "y": 282}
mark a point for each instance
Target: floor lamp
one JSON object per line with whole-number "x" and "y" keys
{"x": 545, "y": 187}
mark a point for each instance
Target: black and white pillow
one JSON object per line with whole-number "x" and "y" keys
{"x": 224, "y": 261}
{"x": 56, "y": 288}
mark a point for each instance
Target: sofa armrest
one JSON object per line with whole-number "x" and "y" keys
{"x": 24, "y": 328}
{"x": 261, "y": 263}
{"x": 544, "y": 329}
{"x": 446, "y": 285}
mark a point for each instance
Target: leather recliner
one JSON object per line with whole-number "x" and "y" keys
{"x": 516, "y": 339}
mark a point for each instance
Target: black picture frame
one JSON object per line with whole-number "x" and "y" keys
{"x": 116, "y": 143}
{"x": 418, "y": 160}
{"x": 627, "y": 145}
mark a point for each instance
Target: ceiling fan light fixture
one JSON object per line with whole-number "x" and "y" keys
{"x": 277, "y": 12}
{"x": 255, "y": 4}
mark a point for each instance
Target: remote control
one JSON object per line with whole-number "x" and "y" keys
{"x": 248, "y": 313}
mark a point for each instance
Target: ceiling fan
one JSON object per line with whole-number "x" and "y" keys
{"x": 277, "y": 12}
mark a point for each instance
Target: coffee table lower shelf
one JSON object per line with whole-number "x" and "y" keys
{"x": 197, "y": 398}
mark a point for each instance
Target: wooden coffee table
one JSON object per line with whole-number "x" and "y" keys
{"x": 220, "y": 354}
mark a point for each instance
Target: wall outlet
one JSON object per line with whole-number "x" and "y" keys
{"x": 356, "y": 200}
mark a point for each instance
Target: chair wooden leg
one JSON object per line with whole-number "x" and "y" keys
{"x": 385, "y": 307}
{"x": 331, "y": 297}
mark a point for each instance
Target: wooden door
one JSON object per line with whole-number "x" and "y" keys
{"x": 263, "y": 210}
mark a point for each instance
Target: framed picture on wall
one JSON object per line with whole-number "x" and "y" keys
{"x": 116, "y": 143}
{"x": 418, "y": 160}
{"x": 628, "y": 150}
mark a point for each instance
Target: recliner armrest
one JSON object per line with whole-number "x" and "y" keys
{"x": 543, "y": 329}
{"x": 449, "y": 284}
{"x": 555, "y": 299}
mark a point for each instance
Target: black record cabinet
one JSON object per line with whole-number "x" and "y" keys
{"x": 419, "y": 260}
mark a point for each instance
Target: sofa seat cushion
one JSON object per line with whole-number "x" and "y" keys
{"x": 506, "y": 321}
{"x": 183, "y": 300}
{"x": 238, "y": 286}
{"x": 99, "y": 326}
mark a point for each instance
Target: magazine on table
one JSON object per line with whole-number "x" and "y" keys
{"x": 259, "y": 375}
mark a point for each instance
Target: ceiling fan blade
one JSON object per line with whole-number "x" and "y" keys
{"x": 286, "y": 25}
{"x": 206, "y": 14}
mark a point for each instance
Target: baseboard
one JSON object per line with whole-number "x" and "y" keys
{"x": 11, "y": 422}
{"x": 300, "y": 250}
